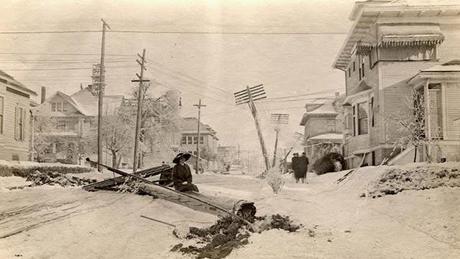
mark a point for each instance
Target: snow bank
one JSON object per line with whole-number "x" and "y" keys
{"x": 24, "y": 168}
{"x": 416, "y": 177}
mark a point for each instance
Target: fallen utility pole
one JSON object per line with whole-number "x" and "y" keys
{"x": 133, "y": 176}
{"x": 140, "y": 97}
{"x": 101, "y": 89}
{"x": 199, "y": 105}
{"x": 249, "y": 95}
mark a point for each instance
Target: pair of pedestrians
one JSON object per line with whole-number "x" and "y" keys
{"x": 300, "y": 167}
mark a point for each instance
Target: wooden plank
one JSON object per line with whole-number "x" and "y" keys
{"x": 105, "y": 184}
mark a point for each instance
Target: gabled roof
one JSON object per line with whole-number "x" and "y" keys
{"x": 190, "y": 125}
{"x": 327, "y": 109}
{"x": 86, "y": 103}
{"x": 11, "y": 81}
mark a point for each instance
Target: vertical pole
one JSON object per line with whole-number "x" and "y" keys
{"x": 277, "y": 130}
{"x": 199, "y": 105}
{"x": 198, "y": 139}
{"x": 101, "y": 98}
{"x": 140, "y": 97}
{"x": 259, "y": 132}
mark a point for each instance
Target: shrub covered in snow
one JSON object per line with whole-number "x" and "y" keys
{"x": 25, "y": 168}
{"x": 274, "y": 179}
{"x": 331, "y": 162}
{"x": 420, "y": 177}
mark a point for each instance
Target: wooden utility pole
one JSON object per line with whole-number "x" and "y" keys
{"x": 277, "y": 130}
{"x": 249, "y": 95}
{"x": 140, "y": 98}
{"x": 278, "y": 119}
{"x": 101, "y": 89}
{"x": 253, "y": 109}
{"x": 199, "y": 105}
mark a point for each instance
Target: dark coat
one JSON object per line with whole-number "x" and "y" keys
{"x": 180, "y": 174}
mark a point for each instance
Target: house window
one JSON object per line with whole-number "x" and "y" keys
{"x": 331, "y": 126}
{"x": 362, "y": 118}
{"x": 60, "y": 125}
{"x": 362, "y": 67}
{"x": 59, "y": 106}
{"x": 184, "y": 140}
{"x": 195, "y": 140}
{"x": 201, "y": 140}
{"x": 349, "y": 72}
{"x": 372, "y": 114}
{"x": 435, "y": 111}
{"x": 189, "y": 140}
{"x": 354, "y": 121}
{"x": 53, "y": 107}
{"x": 354, "y": 66}
{"x": 65, "y": 107}
{"x": 19, "y": 123}
{"x": 1, "y": 114}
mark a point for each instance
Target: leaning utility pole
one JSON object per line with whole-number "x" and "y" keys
{"x": 278, "y": 119}
{"x": 249, "y": 95}
{"x": 199, "y": 105}
{"x": 140, "y": 97}
{"x": 101, "y": 97}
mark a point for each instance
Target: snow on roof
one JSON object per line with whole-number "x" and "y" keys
{"x": 87, "y": 103}
{"x": 327, "y": 136}
{"x": 190, "y": 124}
{"x": 326, "y": 108}
{"x": 11, "y": 81}
{"x": 451, "y": 66}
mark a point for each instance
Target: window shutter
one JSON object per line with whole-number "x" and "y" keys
{"x": 16, "y": 123}
{"x": 24, "y": 116}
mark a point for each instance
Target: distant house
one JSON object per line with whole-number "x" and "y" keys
{"x": 189, "y": 136}
{"x": 323, "y": 124}
{"x": 394, "y": 48}
{"x": 15, "y": 126}
{"x": 74, "y": 119}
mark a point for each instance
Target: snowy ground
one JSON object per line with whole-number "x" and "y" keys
{"x": 56, "y": 222}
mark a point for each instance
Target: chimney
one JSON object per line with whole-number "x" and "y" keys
{"x": 43, "y": 95}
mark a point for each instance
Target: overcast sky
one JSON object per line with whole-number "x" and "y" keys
{"x": 206, "y": 66}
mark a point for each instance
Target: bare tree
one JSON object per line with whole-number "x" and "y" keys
{"x": 43, "y": 125}
{"x": 411, "y": 125}
{"x": 117, "y": 136}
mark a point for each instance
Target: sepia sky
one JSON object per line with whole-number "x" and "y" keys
{"x": 289, "y": 46}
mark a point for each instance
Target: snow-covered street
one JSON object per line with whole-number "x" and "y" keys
{"x": 56, "y": 222}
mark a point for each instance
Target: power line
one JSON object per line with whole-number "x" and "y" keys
{"x": 64, "y": 68}
{"x": 177, "y": 32}
{"x": 62, "y": 54}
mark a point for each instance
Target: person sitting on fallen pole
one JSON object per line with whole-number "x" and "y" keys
{"x": 181, "y": 174}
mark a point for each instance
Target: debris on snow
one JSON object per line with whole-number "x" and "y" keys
{"x": 54, "y": 178}
{"x": 421, "y": 177}
{"x": 228, "y": 233}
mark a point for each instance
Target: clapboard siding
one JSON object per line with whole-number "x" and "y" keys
{"x": 9, "y": 146}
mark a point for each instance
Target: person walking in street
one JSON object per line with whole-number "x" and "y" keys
{"x": 303, "y": 167}
{"x": 182, "y": 175}
{"x": 295, "y": 166}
